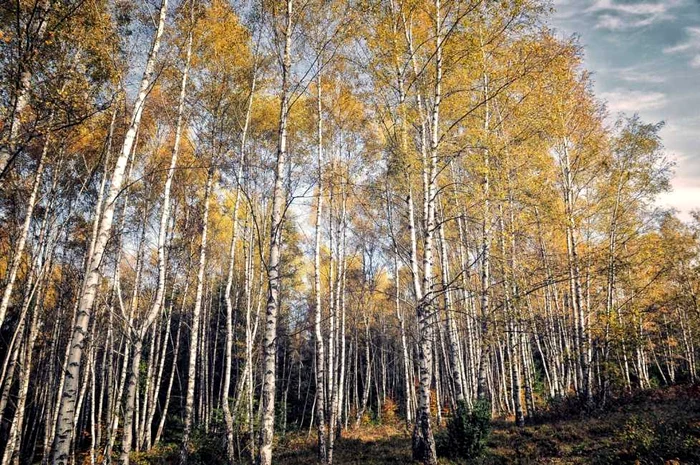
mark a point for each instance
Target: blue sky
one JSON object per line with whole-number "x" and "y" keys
{"x": 645, "y": 58}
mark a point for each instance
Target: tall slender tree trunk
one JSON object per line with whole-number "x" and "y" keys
{"x": 404, "y": 343}
{"x": 482, "y": 384}
{"x": 318, "y": 335}
{"x": 452, "y": 336}
{"x": 27, "y": 52}
{"x": 267, "y": 426}
{"x": 228, "y": 350}
{"x": 368, "y": 373}
{"x": 13, "y": 446}
{"x": 195, "y": 326}
{"x": 228, "y": 346}
{"x": 131, "y": 394}
{"x": 21, "y": 243}
{"x": 577, "y": 306}
{"x": 338, "y": 424}
{"x": 423, "y": 441}
{"x": 171, "y": 378}
{"x": 67, "y": 412}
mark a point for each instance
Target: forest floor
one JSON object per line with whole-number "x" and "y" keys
{"x": 659, "y": 426}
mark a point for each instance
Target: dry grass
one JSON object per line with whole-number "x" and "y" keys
{"x": 652, "y": 427}
{"x": 369, "y": 444}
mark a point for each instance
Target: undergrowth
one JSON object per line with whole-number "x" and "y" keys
{"x": 659, "y": 426}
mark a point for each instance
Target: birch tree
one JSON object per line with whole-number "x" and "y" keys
{"x": 67, "y": 410}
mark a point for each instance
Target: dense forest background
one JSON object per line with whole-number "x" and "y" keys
{"x": 236, "y": 220}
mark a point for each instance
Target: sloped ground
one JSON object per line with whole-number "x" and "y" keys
{"x": 652, "y": 427}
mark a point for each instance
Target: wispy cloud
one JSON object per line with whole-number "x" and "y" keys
{"x": 690, "y": 46}
{"x": 629, "y": 101}
{"x": 618, "y": 16}
{"x": 634, "y": 8}
{"x": 642, "y": 52}
{"x": 638, "y": 76}
{"x": 620, "y": 23}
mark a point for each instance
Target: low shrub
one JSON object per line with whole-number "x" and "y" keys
{"x": 466, "y": 433}
{"x": 389, "y": 412}
{"x": 657, "y": 441}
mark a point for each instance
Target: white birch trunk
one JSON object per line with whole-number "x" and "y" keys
{"x": 318, "y": 335}
{"x": 21, "y": 243}
{"x": 267, "y": 426}
{"x": 194, "y": 332}
{"x": 67, "y": 412}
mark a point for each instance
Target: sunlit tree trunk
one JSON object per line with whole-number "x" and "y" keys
{"x": 35, "y": 30}
{"x": 452, "y": 336}
{"x": 580, "y": 317}
{"x": 485, "y": 252}
{"x": 67, "y": 412}
{"x": 196, "y": 323}
{"x": 318, "y": 335}
{"x": 228, "y": 350}
{"x": 267, "y": 426}
{"x": 24, "y": 233}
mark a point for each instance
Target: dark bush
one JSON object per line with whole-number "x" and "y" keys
{"x": 648, "y": 440}
{"x": 466, "y": 433}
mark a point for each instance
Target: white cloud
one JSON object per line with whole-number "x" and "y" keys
{"x": 689, "y": 46}
{"x": 679, "y": 137}
{"x": 615, "y": 16}
{"x": 644, "y": 8}
{"x": 620, "y": 23}
{"x": 637, "y": 76}
{"x": 630, "y": 101}
{"x": 683, "y": 198}
{"x": 614, "y": 23}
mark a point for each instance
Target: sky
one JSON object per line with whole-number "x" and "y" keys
{"x": 645, "y": 59}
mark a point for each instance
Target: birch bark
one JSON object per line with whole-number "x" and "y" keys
{"x": 267, "y": 426}
{"x": 67, "y": 412}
